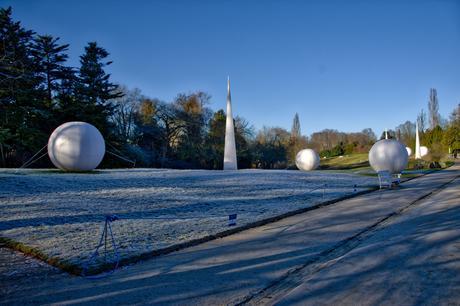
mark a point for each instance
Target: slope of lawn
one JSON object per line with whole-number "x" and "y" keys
{"x": 345, "y": 162}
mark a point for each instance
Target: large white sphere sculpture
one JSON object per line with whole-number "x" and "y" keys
{"x": 307, "y": 160}
{"x": 388, "y": 155}
{"x": 76, "y": 146}
{"x": 423, "y": 151}
{"x": 409, "y": 151}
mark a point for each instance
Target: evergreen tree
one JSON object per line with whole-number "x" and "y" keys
{"x": 49, "y": 57}
{"x": 215, "y": 141}
{"x": 22, "y": 113}
{"x": 94, "y": 89}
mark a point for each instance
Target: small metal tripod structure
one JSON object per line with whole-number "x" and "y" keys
{"x": 104, "y": 241}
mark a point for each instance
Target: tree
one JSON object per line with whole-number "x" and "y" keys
{"x": 193, "y": 113}
{"x": 49, "y": 57}
{"x": 171, "y": 127}
{"x": 451, "y": 137}
{"x": 94, "y": 90}
{"x": 124, "y": 113}
{"x": 295, "y": 130}
{"x": 433, "y": 109}
{"x": 23, "y": 116}
{"x": 215, "y": 140}
{"x": 369, "y": 136}
{"x": 406, "y": 132}
{"x": 296, "y": 141}
{"x": 270, "y": 148}
{"x": 150, "y": 135}
{"x": 326, "y": 139}
{"x": 243, "y": 136}
{"x": 421, "y": 120}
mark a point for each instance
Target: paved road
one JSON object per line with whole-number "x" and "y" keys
{"x": 412, "y": 260}
{"x": 314, "y": 258}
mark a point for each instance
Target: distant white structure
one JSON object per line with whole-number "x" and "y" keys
{"x": 418, "y": 154}
{"x": 423, "y": 151}
{"x": 307, "y": 160}
{"x": 388, "y": 155}
{"x": 230, "y": 146}
{"x": 386, "y": 134}
{"x": 76, "y": 146}
{"x": 409, "y": 151}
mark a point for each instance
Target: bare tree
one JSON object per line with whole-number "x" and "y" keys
{"x": 406, "y": 132}
{"x": 169, "y": 120}
{"x": 125, "y": 109}
{"x": 421, "y": 120}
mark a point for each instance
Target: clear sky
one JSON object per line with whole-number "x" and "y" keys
{"x": 345, "y": 65}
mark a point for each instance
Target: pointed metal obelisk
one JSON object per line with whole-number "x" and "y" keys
{"x": 386, "y": 134}
{"x": 230, "y": 146}
{"x": 418, "y": 154}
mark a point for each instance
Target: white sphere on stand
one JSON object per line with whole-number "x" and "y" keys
{"x": 307, "y": 160}
{"x": 423, "y": 151}
{"x": 409, "y": 151}
{"x": 76, "y": 146}
{"x": 388, "y": 155}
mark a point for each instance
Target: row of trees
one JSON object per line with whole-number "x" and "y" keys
{"x": 440, "y": 135}
{"x": 39, "y": 91}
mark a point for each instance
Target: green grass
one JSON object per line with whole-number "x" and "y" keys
{"x": 346, "y": 162}
{"x": 359, "y": 164}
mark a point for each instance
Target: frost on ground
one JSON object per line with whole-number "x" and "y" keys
{"x": 62, "y": 214}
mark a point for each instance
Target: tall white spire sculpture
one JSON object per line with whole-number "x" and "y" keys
{"x": 386, "y": 134}
{"x": 230, "y": 147}
{"x": 418, "y": 154}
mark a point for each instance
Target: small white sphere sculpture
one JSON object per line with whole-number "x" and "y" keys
{"x": 307, "y": 160}
{"x": 388, "y": 155}
{"x": 76, "y": 146}
{"x": 423, "y": 151}
{"x": 409, "y": 151}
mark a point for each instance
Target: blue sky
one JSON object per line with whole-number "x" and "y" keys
{"x": 345, "y": 65}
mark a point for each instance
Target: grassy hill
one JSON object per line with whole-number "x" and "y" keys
{"x": 345, "y": 162}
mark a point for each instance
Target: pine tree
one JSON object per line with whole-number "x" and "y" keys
{"x": 21, "y": 99}
{"x": 94, "y": 89}
{"x": 215, "y": 140}
{"x": 49, "y": 56}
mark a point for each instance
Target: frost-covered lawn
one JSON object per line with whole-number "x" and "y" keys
{"x": 62, "y": 214}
